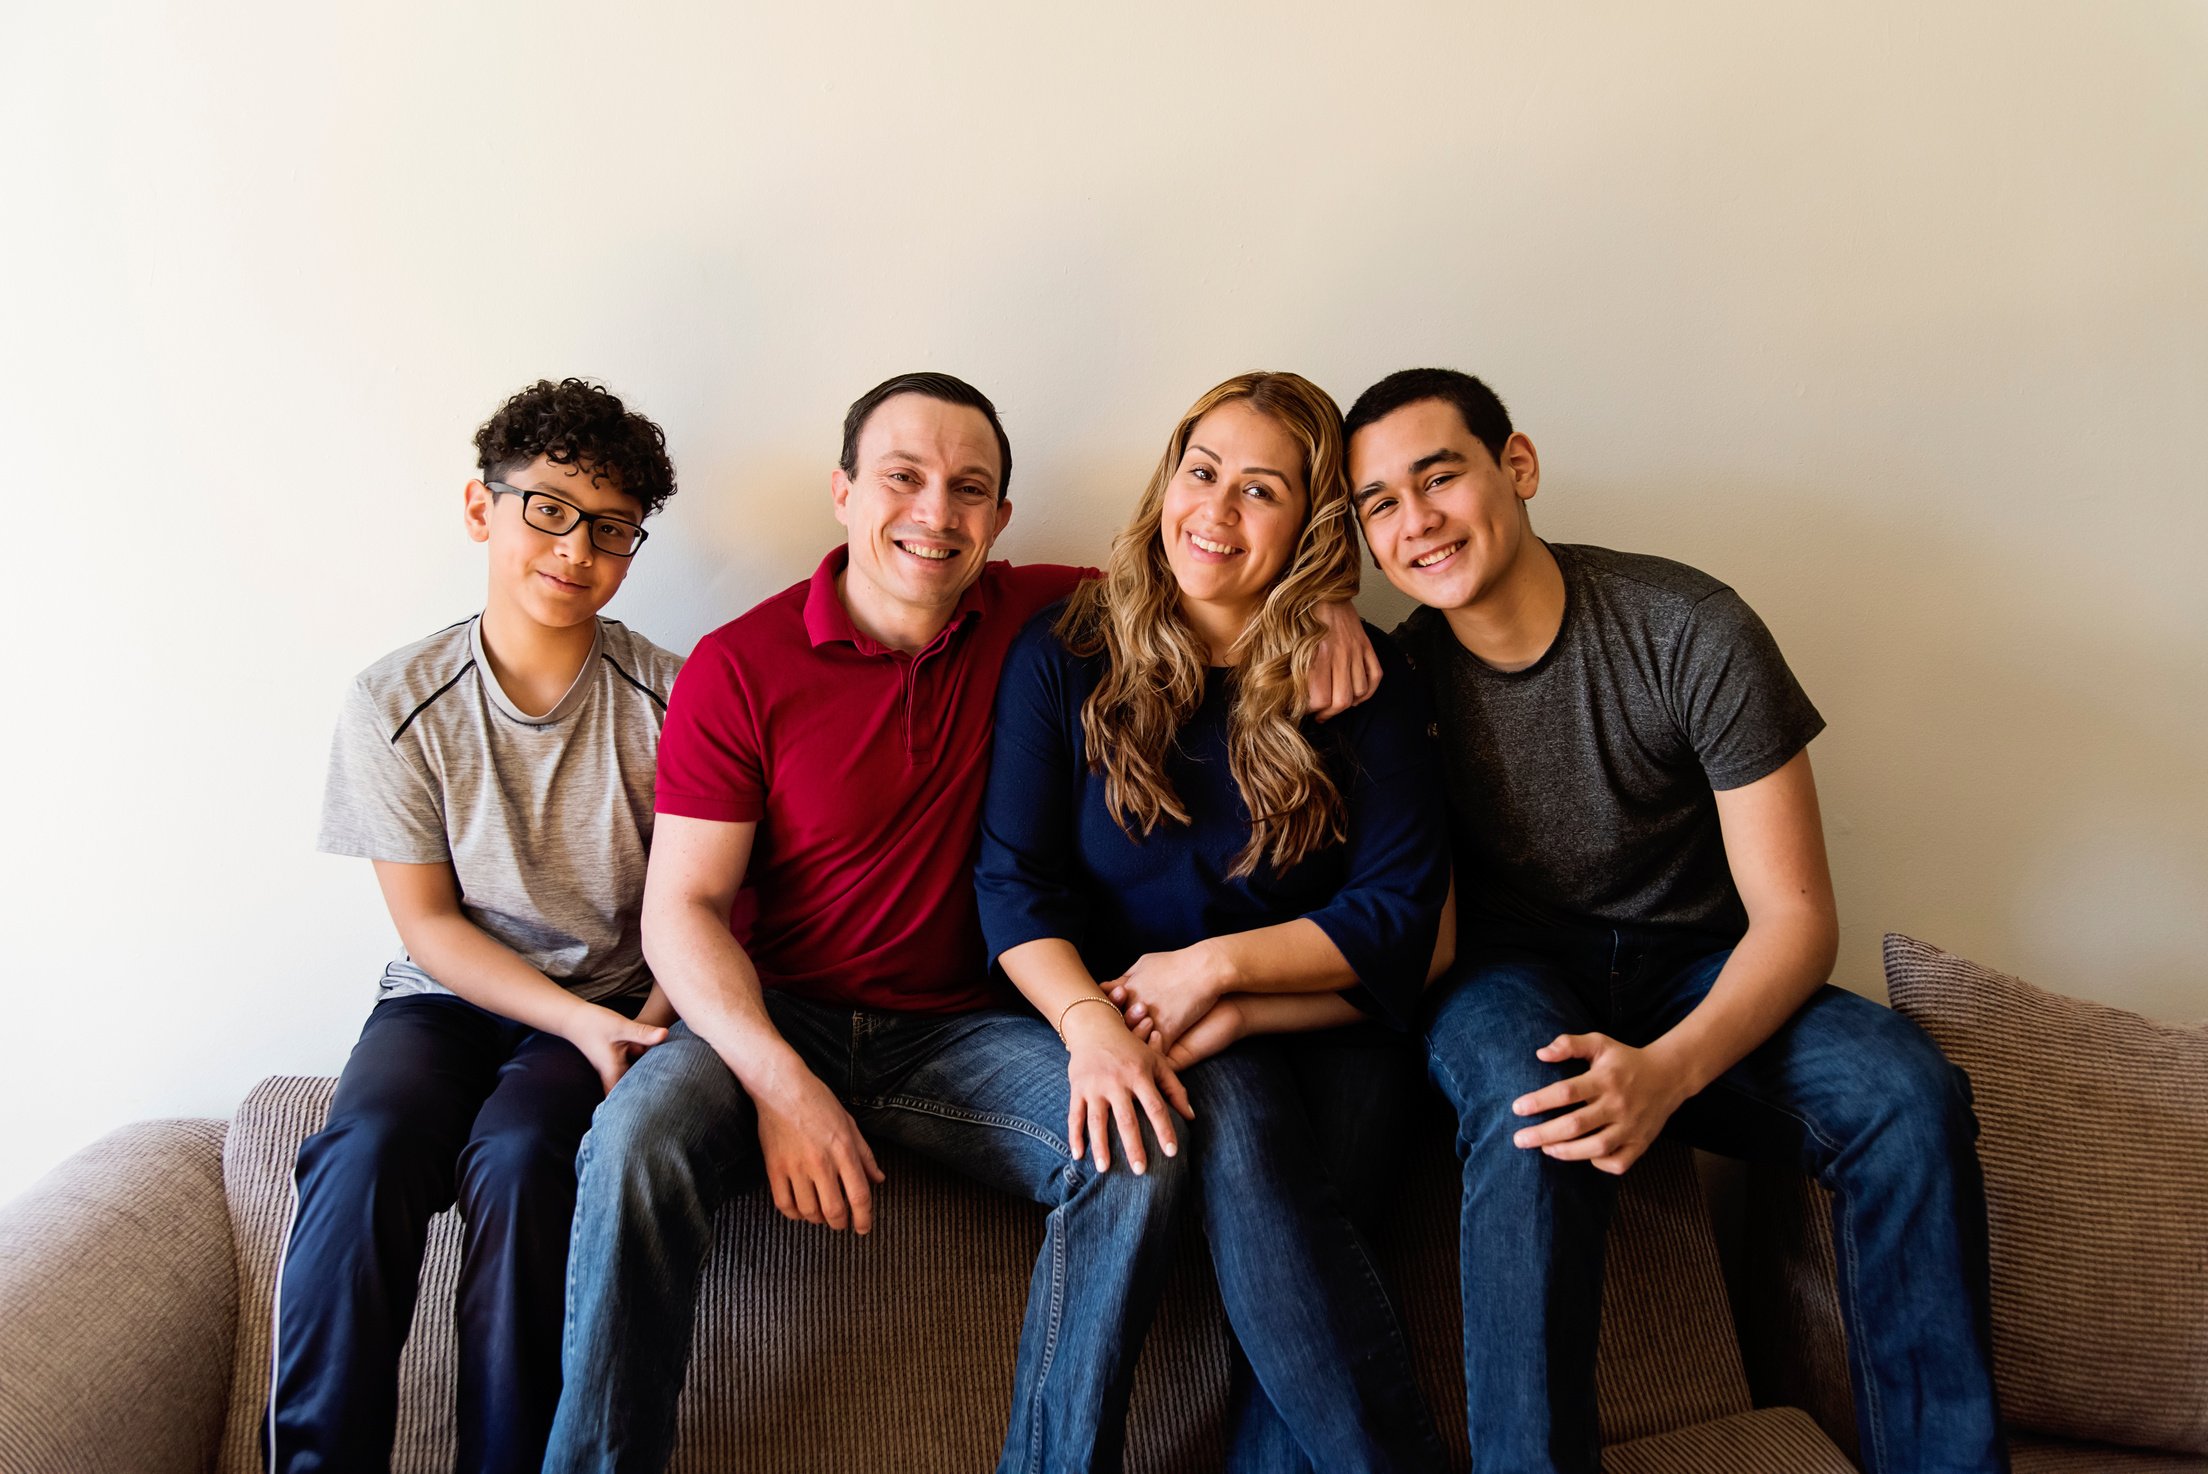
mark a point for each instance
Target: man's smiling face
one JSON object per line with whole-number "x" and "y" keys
{"x": 921, "y": 503}
{"x": 1445, "y": 522}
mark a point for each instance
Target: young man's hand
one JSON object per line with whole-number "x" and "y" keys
{"x": 818, "y": 1166}
{"x": 1346, "y": 671}
{"x": 610, "y": 1042}
{"x": 1114, "y": 1076}
{"x": 1624, "y": 1097}
{"x": 1164, "y": 993}
{"x": 1223, "y": 1025}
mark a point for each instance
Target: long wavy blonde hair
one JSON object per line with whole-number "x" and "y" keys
{"x": 1154, "y": 676}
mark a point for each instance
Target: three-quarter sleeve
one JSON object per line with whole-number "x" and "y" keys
{"x": 1387, "y": 913}
{"x": 1024, "y": 876}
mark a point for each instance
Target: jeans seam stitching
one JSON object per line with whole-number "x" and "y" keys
{"x": 1049, "y": 1356}
{"x": 1855, "y": 1305}
{"x": 920, "y": 1105}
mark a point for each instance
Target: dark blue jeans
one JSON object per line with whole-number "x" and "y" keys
{"x": 440, "y": 1099}
{"x": 985, "y": 1093}
{"x": 1297, "y": 1129}
{"x": 1850, "y": 1092}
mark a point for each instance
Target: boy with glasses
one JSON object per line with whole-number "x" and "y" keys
{"x": 499, "y": 774}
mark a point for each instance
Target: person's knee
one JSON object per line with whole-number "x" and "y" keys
{"x": 1151, "y": 1195}
{"x": 1912, "y": 1110}
{"x": 1483, "y": 1075}
{"x": 1925, "y": 1093}
{"x": 518, "y": 1168}
{"x": 641, "y": 1143}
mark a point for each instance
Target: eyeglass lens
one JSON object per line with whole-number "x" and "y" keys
{"x": 557, "y": 519}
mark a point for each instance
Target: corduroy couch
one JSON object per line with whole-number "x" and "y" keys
{"x": 135, "y": 1286}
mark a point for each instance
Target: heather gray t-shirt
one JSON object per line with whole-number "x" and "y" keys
{"x": 546, "y": 819}
{"x": 1580, "y": 788}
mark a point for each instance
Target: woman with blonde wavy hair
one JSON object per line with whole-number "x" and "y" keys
{"x": 1252, "y": 902}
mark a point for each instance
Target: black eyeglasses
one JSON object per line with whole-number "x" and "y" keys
{"x": 555, "y": 518}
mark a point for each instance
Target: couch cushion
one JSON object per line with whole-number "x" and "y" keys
{"x": 1762, "y": 1442}
{"x": 2030, "y": 1455}
{"x": 2095, "y": 1145}
{"x": 117, "y": 1306}
{"x": 816, "y": 1350}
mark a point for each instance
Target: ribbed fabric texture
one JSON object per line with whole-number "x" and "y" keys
{"x": 117, "y": 1307}
{"x": 1779, "y": 1440}
{"x": 820, "y": 1351}
{"x": 2095, "y": 1146}
{"x": 2047, "y": 1456}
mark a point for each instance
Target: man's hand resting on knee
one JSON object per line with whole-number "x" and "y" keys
{"x": 818, "y": 1166}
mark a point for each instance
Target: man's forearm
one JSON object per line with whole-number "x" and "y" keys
{"x": 1292, "y": 1013}
{"x": 711, "y": 982}
{"x": 1770, "y": 975}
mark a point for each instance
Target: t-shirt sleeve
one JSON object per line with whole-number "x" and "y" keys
{"x": 710, "y": 764}
{"x": 1385, "y": 916}
{"x": 1023, "y": 874}
{"x": 378, "y": 803}
{"x": 1738, "y": 702}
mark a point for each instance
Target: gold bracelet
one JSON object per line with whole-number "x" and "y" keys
{"x": 1076, "y": 1003}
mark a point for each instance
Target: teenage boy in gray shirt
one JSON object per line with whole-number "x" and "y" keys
{"x": 499, "y": 774}
{"x": 1647, "y": 924}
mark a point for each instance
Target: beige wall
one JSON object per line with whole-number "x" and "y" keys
{"x": 1894, "y": 315}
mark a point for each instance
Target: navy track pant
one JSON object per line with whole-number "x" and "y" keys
{"x": 440, "y": 1101}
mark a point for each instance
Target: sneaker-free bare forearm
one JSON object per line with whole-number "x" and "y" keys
{"x": 1174, "y": 989}
{"x": 424, "y": 901}
{"x": 1050, "y": 974}
{"x": 697, "y": 866}
{"x": 817, "y": 1165}
{"x": 1774, "y": 843}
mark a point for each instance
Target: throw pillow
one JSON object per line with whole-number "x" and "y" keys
{"x": 2094, "y": 1139}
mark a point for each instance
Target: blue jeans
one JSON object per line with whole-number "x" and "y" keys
{"x": 1297, "y": 1127}
{"x": 439, "y": 1100}
{"x": 985, "y": 1093}
{"x": 1848, "y": 1091}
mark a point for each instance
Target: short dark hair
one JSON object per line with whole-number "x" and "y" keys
{"x": 1483, "y": 413}
{"x": 578, "y": 423}
{"x": 932, "y": 386}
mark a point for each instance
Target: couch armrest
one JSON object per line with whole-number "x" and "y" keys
{"x": 1791, "y": 1335}
{"x": 118, "y": 1292}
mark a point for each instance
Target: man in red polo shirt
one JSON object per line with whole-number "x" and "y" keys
{"x": 810, "y": 912}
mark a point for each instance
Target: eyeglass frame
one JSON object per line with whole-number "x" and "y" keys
{"x": 581, "y": 517}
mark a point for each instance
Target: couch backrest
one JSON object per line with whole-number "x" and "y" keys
{"x": 822, "y": 1351}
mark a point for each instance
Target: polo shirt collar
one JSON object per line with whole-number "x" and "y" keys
{"x": 827, "y": 621}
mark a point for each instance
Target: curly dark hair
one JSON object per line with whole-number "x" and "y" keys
{"x": 578, "y": 423}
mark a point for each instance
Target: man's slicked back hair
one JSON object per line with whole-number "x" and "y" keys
{"x": 577, "y": 423}
{"x": 1483, "y": 413}
{"x": 945, "y": 387}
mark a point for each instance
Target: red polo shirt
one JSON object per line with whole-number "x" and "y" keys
{"x": 863, "y": 768}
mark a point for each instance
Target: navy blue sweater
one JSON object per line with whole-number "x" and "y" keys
{"x": 1055, "y": 863}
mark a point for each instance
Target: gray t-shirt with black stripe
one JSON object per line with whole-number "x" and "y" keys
{"x": 546, "y": 820}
